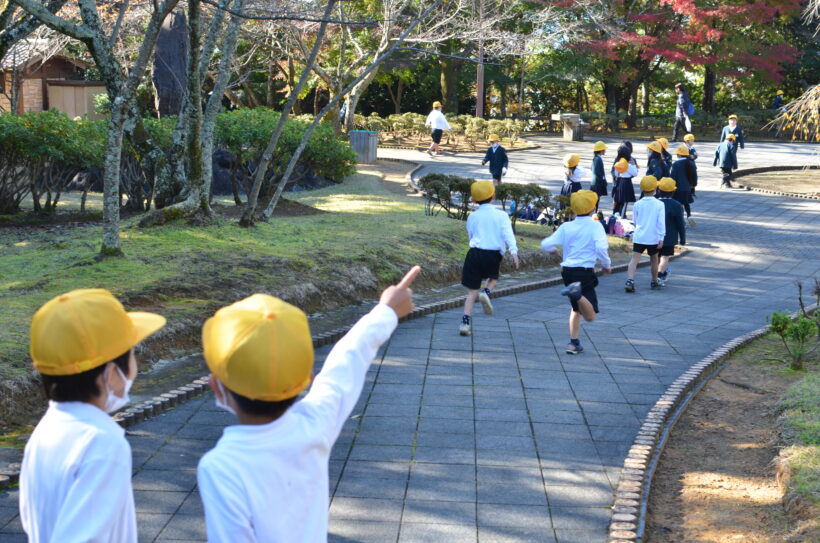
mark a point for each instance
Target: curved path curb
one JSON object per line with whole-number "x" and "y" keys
{"x": 632, "y": 494}
{"x": 765, "y": 169}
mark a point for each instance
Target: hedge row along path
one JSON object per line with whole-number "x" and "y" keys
{"x": 501, "y": 437}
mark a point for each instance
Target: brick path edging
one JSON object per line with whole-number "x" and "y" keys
{"x": 629, "y": 507}
{"x": 764, "y": 169}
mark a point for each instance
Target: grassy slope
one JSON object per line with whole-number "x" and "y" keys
{"x": 186, "y": 271}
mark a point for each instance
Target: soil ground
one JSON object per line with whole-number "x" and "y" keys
{"x": 716, "y": 481}
{"x": 798, "y": 182}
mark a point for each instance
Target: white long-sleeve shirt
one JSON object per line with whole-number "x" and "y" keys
{"x": 489, "y": 228}
{"x": 269, "y": 483}
{"x": 584, "y": 242}
{"x": 631, "y": 171}
{"x": 75, "y": 481}
{"x": 436, "y": 120}
{"x": 649, "y": 215}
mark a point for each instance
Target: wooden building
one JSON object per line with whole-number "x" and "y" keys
{"x": 47, "y": 82}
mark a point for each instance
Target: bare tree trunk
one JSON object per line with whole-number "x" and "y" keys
{"x": 262, "y": 168}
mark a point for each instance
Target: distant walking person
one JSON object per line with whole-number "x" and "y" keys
{"x": 439, "y": 124}
{"x": 683, "y": 109}
{"x": 726, "y": 160}
{"x": 497, "y": 157}
{"x": 778, "y": 101}
{"x": 732, "y": 127}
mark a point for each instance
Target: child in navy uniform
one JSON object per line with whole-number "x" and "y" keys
{"x": 598, "y": 175}
{"x": 726, "y": 159}
{"x": 686, "y": 176}
{"x": 497, "y": 157}
{"x": 584, "y": 242}
{"x": 732, "y": 127}
{"x": 655, "y": 163}
{"x": 675, "y": 227}
{"x": 491, "y": 235}
{"x": 624, "y": 169}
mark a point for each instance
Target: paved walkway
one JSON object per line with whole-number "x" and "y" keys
{"x": 501, "y": 437}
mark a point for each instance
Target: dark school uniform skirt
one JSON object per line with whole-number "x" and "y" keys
{"x": 624, "y": 192}
{"x": 569, "y": 188}
{"x": 588, "y": 280}
{"x": 684, "y": 196}
{"x": 599, "y": 187}
{"x": 480, "y": 264}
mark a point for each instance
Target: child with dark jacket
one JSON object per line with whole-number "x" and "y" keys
{"x": 667, "y": 157}
{"x": 726, "y": 159}
{"x": 655, "y": 164}
{"x": 732, "y": 127}
{"x": 686, "y": 177}
{"x": 497, "y": 157}
{"x": 598, "y": 174}
{"x": 675, "y": 227}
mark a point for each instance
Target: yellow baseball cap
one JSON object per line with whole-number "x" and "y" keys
{"x": 83, "y": 329}
{"x": 583, "y": 201}
{"x": 493, "y": 137}
{"x": 667, "y": 184}
{"x": 733, "y": 116}
{"x": 482, "y": 190}
{"x": 621, "y": 166}
{"x": 664, "y": 142}
{"x": 689, "y": 137}
{"x": 655, "y": 146}
{"x": 780, "y": 93}
{"x": 682, "y": 150}
{"x": 570, "y": 160}
{"x": 599, "y": 146}
{"x": 649, "y": 183}
{"x": 731, "y": 137}
{"x": 436, "y": 104}
{"x": 260, "y": 347}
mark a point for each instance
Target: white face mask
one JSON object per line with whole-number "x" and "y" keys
{"x": 114, "y": 402}
{"x": 495, "y": 146}
{"x": 221, "y": 404}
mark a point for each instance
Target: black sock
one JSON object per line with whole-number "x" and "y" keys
{"x": 465, "y": 319}
{"x": 575, "y": 342}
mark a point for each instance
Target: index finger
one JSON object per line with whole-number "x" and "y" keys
{"x": 408, "y": 279}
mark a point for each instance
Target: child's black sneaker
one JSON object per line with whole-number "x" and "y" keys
{"x": 484, "y": 298}
{"x": 654, "y": 285}
{"x": 572, "y": 291}
{"x": 629, "y": 286}
{"x": 571, "y": 348}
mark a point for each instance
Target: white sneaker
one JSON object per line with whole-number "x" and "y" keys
{"x": 465, "y": 329}
{"x": 485, "y": 303}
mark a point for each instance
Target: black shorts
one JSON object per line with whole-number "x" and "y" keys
{"x": 588, "y": 280}
{"x": 667, "y": 250}
{"x": 640, "y": 248}
{"x": 436, "y": 135}
{"x": 480, "y": 264}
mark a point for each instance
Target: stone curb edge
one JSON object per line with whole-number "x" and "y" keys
{"x": 764, "y": 169}
{"x": 629, "y": 507}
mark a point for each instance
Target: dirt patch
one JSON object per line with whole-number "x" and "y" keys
{"x": 716, "y": 481}
{"x": 393, "y": 175}
{"x": 795, "y": 182}
{"x": 284, "y": 208}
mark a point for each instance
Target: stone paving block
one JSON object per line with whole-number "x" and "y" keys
{"x": 432, "y": 489}
{"x": 505, "y": 415}
{"x": 345, "y": 531}
{"x": 445, "y": 455}
{"x": 435, "y": 411}
{"x": 149, "y": 525}
{"x": 385, "y": 437}
{"x": 550, "y": 431}
{"x": 495, "y": 428}
{"x": 207, "y": 432}
{"x": 439, "y": 512}
{"x": 450, "y": 426}
{"x": 411, "y": 400}
{"x": 358, "y": 487}
{"x": 13, "y": 526}
{"x": 380, "y": 453}
{"x": 152, "y": 501}
{"x": 377, "y": 470}
{"x": 365, "y": 509}
{"x": 484, "y": 402}
{"x": 588, "y": 495}
{"x": 391, "y": 410}
{"x": 442, "y": 439}
{"x": 581, "y": 478}
{"x": 580, "y": 536}
{"x": 489, "y": 457}
{"x": 509, "y": 475}
{"x": 435, "y": 533}
{"x": 613, "y": 433}
{"x": 514, "y": 534}
{"x": 534, "y": 516}
{"x": 444, "y": 401}
{"x": 579, "y": 519}
{"x": 521, "y": 494}
{"x": 165, "y": 480}
{"x": 506, "y": 443}
{"x": 402, "y": 424}
{"x": 192, "y": 505}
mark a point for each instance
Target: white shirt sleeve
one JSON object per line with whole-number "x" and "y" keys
{"x": 507, "y": 234}
{"x": 101, "y": 489}
{"x": 632, "y": 170}
{"x": 336, "y": 389}
{"x": 227, "y": 517}
{"x": 661, "y": 221}
{"x": 557, "y": 238}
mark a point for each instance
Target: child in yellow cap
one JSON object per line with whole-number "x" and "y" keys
{"x": 584, "y": 243}
{"x": 75, "y": 481}
{"x": 496, "y": 155}
{"x": 624, "y": 169}
{"x": 491, "y": 235}
{"x": 438, "y": 124}
{"x": 732, "y": 127}
{"x": 685, "y": 175}
{"x": 726, "y": 159}
{"x": 598, "y": 185}
{"x": 675, "y": 227}
{"x": 267, "y": 477}
{"x": 649, "y": 216}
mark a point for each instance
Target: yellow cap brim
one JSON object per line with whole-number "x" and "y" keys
{"x": 145, "y": 324}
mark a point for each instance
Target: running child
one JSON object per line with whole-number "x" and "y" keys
{"x": 650, "y": 229}
{"x": 497, "y": 157}
{"x": 675, "y": 227}
{"x": 438, "y": 123}
{"x": 267, "y": 477}
{"x": 583, "y": 242}
{"x": 75, "y": 481}
{"x": 491, "y": 235}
